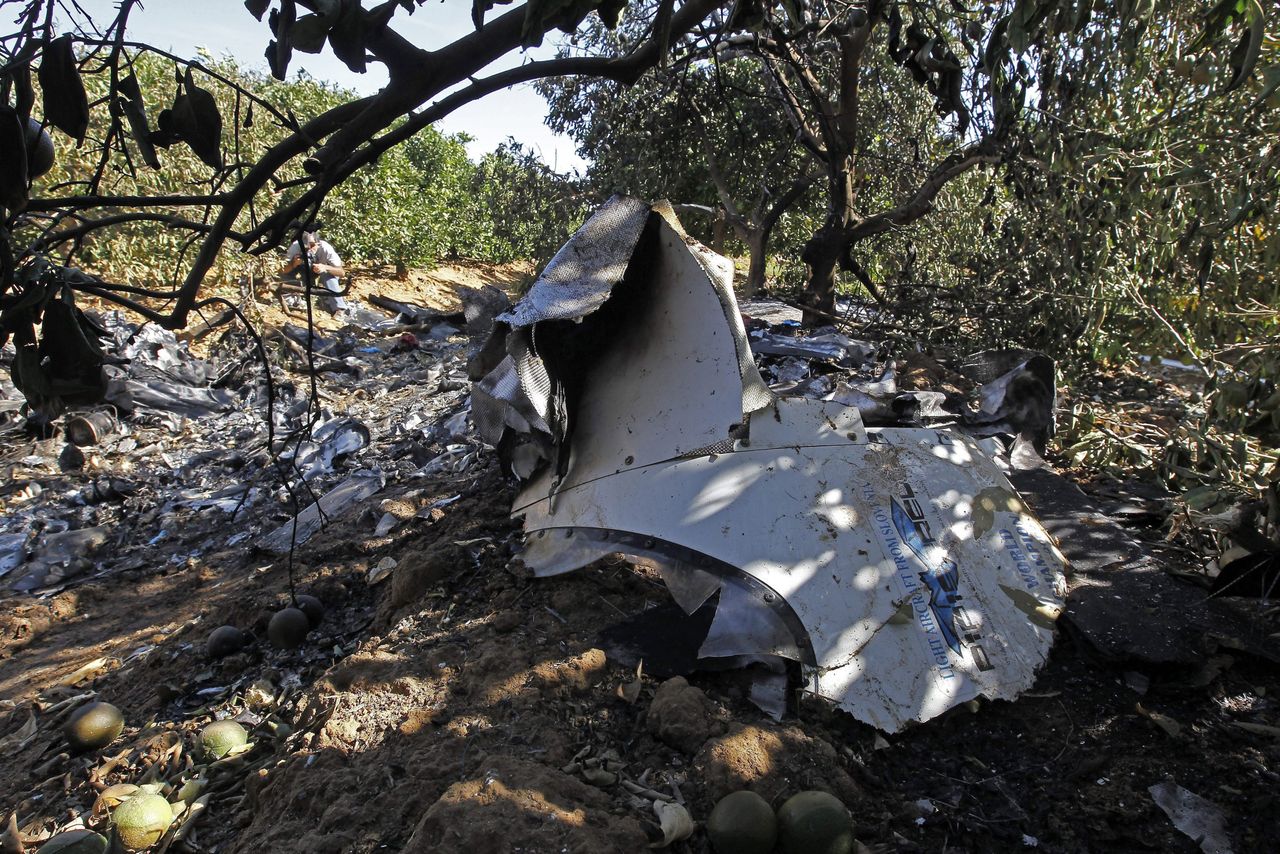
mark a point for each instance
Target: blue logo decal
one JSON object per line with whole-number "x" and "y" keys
{"x": 943, "y": 580}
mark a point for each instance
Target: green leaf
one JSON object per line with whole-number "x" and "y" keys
{"x": 992, "y": 56}
{"x": 197, "y": 122}
{"x": 70, "y": 353}
{"x": 280, "y": 51}
{"x": 24, "y": 92}
{"x": 1201, "y": 497}
{"x": 347, "y": 36}
{"x": 1245, "y": 56}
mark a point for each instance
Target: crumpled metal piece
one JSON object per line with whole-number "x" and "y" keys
{"x": 1197, "y": 817}
{"x": 359, "y": 486}
{"x": 160, "y": 373}
{"x": 582, "y": 275}
{"x": 129, "y": 394}
{"x": 331, "y": 439}
{"x": 597, "y": 279}
{"x": 831, "y": 347}
{"x": 897, "y": 565}
{"x": 1017, "y": 396}
{"x": 13, "y": 552}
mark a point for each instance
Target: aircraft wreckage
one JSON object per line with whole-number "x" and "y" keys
{"x": 896, "y": 565}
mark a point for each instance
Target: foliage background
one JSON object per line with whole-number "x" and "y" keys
{"x": 421, "y": 203}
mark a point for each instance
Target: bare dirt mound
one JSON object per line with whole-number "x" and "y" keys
{"x": 436, "y": 288}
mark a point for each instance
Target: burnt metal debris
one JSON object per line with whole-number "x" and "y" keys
{"x": 896, "y": 565}
{"x": 823, "y": 516}
{"x": 176, "y": 464}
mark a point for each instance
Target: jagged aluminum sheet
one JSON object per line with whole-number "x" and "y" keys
{"x": 897, "y": 565}
{"x": 693, "y": 393}
{"x": 581, "y": 276}
{"x": 919, "y": 579}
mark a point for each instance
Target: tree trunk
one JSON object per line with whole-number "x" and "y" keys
{"x": 822, "y": 255}
{"x": 756, "y": 241}
{"x": 717, "y": 231}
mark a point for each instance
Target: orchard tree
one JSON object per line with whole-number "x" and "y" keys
{"x": 235, "y": 194}
{"x": 893, "y": 101}
{"x": 896, "y": 101}
{"x": 1146, "y": 187}
{"x": 1141, "y": 217}
{"x": 870, "y": 100}
{"x": 530, "y": 208}
{"x": 708, "y": 135}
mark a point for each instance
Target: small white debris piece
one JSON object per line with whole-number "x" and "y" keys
{"x": 381, "y": 570}
{"x": 386, "y": 525}
{"x": 1197, "y": 817}
{"x": 675, "y": 821}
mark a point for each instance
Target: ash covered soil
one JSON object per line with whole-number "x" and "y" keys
{"x": 449, "y": 702}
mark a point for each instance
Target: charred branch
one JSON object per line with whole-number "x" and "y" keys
{"x": 354, "y": 126}
{"x": 81, "y": 231}
{"x": 71, "y": 203}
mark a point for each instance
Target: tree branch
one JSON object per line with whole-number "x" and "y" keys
{"x": 622, "y": 69}
{"x": 136, "y": 216}
{"x": 921, "y": 201}
{"x": 853, "y": 45}
{"x": 780, "y": 204}
{"x": 740, "y": 224}
{"x": 791, "y": 106}
{"x": 813, "y": 88}
{"x": 83, "y": 202}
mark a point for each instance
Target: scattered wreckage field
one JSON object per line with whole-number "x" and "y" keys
{"x": 452, "y": 700}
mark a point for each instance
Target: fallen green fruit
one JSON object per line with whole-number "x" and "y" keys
{"x": 142, "y": 820}
{"x": 92, "y": 726}
{"x": 312, "y": 607}
{"x": 288, "y": 628}
{"x": 742, "y": 823}
{"x": 815, "y": 823}
{"x": 220, "y": 738}
{"x": 224, "y": 641}
{"x": 75, "y": 842}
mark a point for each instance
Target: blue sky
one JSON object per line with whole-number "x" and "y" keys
{"x": 225, "y": 27}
